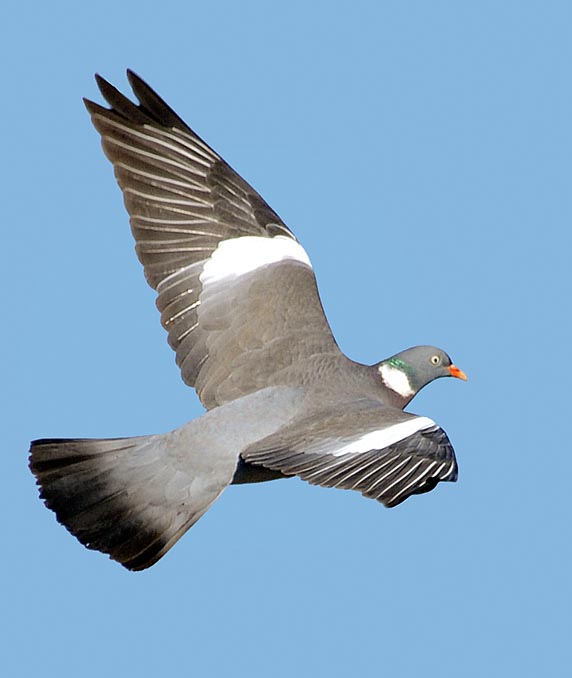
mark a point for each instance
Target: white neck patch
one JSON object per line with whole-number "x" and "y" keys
{"x": 237, "y": 256}
{"x": 396, "y": 380}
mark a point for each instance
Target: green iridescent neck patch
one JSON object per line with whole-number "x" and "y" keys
{"x": 399, "y": 364}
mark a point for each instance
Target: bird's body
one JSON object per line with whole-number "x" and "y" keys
{"x": 238, "y": 298}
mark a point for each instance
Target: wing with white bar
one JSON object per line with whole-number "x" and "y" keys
{"x": 384, "y": 453}
{"x": 236, "y": 291}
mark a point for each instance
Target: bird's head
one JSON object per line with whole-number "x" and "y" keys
{"x": 406, "y": 373}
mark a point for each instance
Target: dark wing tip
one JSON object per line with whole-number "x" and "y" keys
{"x": 120, "y": 104}
{"x": 90, "y": 105}
{"x": 433, "y": 462}
{"x": 153, "y": 104}
{"x": 152, "y": 109}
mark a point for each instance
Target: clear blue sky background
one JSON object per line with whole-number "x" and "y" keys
{"x": 421, "y": 151}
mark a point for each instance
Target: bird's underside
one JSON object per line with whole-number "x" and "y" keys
{"x": 238, "y": 298}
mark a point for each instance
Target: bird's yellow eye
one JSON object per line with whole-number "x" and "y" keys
{"x": 435, "y": 360}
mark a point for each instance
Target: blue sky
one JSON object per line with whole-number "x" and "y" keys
{"x": 422, "y": 154}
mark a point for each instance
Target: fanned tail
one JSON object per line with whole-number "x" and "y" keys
{"x": 132, "y": 498}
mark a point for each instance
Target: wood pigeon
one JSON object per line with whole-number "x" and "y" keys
{"x": 238, "y": 298}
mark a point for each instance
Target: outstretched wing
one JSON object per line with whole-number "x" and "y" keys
{"x": 383, "y": 452}
{"x": 236, "y": 291}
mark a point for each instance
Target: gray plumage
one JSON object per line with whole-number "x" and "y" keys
{"x": 239, "y": 300}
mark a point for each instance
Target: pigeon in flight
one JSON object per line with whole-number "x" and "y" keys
{"x": 238, "y": 298}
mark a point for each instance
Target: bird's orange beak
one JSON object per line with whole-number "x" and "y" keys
{"x": 456, "y": 372}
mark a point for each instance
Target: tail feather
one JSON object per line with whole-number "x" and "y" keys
{"x": 132, "y": 498}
